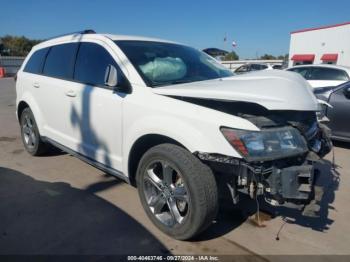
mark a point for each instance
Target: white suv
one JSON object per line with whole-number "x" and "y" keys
{"x": 170, "y": 120}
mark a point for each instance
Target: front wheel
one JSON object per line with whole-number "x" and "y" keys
{"x": 178, "y": 191}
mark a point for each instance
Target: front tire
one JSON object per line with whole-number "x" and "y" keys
{"x": 30, "y": 134}
{"x": 177, "y": 191}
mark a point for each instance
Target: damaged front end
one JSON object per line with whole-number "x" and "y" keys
{"x": 278, "y": 162}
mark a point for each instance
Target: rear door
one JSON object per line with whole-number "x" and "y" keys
{"x": 339, "y": 115}
{"x": 57, "y": 75}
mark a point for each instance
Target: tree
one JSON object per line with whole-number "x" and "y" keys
{"x": 230, "y": 56}
{"x": 16, "y": 45}
{"x": 267, "y": 57}
{"x": 272, "y": 57}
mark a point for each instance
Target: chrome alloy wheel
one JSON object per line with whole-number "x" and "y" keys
{"x": 166, "y": 193}
{"x": 29, "y": 132}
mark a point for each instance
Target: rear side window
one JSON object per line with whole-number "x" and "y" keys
{"x": 91, "y": 64}
{"x": 36, "y": 61}
{"x": 328, "y": 74}
{"x": 256, "y": 67}
{"x": 60, "y": 61}
{"x": 303, "y": 71}
{"x": 243, "y": 68}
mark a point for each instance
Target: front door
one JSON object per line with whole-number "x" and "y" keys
{"x": 339, "y": 115}
{"x": 96, "y": 112}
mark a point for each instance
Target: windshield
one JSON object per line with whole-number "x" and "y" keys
{"x": 162, "y": 64}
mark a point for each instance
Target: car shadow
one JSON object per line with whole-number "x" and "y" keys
{"x": 345, "y": 145}
{"x": 53, "y": 151}
{"x": 328, "y": 181}
{"x": 40, "y": 217}
{"x": 232, "y": 216}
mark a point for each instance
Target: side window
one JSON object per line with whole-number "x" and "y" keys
{"x": 60, "y": 61}
{"x": 254, "y": 67}
{"x": 242, "y": 68}
{"x": 91, "y": 64}
{"x": 303, "y": 71}
{"x": 328, "y": 74}
{"x": 36, "y": 61}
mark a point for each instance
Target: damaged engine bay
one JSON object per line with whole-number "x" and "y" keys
{"x": 279, "y": 177}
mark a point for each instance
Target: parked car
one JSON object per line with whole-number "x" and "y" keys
{"x": 338, "y": 112}
{"x": 278, "y": 67}
{"x": 323, "y": 75}
{"x": 172, "y": 121}
{"x": 252, "y": 67}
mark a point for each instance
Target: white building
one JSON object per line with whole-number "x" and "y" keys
{"x": 322, "y": 45}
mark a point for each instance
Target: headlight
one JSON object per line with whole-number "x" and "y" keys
{"x": 267, "y": 144}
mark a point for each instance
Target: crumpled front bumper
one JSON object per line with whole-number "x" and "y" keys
{"x": 294, "y": 184}
{"x": 279, "y": 181}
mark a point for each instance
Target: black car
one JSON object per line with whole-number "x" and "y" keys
{"x": 339, "y": 112}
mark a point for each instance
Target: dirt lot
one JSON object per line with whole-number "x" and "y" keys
{"x": 59, "y": 205}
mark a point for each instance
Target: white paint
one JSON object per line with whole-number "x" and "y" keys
{"x": 104, "y": 125}
{"x": 272, "y": 89}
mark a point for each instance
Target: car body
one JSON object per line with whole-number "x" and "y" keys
{"x": 323, "y": 75}
{"x": 172, "y": 121}
{"x": 251, "y": 67}
{"x": 336, "y": 110}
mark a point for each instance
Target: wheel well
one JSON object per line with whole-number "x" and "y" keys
{"x": 140, "y": 147}
{"x": 21, "y": 106}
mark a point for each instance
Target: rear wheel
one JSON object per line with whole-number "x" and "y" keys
{"x": 178, "y": 191}
{"x": 30, "y": 134}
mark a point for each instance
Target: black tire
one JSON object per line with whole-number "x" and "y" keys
{"x": 38, "y": 147}
{"x": 201, "y": 189}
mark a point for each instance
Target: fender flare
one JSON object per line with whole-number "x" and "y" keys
{"x": 31, "y": 102}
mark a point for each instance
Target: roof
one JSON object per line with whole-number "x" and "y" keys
{"x": 324, "y": 65}
{"x": 319, "y": 28}
{"x": 303, "y": 57}
{"x": 136, "y": 38}
{"x": 76, "y": 37}
{"x": 329, "y": 57}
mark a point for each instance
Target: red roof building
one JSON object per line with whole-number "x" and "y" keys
{"x": 321, "y": 45}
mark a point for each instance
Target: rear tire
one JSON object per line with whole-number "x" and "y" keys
{"x": 30, "y": 134}
{"x": 177, "y": 191}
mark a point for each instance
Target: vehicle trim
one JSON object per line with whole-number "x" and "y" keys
{"x": 88, "y": 160}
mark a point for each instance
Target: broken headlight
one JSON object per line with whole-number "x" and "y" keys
{"x": 267, "y": 144}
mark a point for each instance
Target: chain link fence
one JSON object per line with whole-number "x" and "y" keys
{"x": 11, "y": 64}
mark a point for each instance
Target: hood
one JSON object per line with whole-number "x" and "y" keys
{"x": 274, "y": 90}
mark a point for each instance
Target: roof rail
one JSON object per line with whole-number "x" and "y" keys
{"x": 83, "y": 32}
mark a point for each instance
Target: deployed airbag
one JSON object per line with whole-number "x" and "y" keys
{"x": 164, "y": 69}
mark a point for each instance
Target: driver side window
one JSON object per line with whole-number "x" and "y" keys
{"x": 92, "y": 61}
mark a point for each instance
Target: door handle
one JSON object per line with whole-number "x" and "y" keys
{"x": 36, "y": 85}
{"x": 71, "y": 93}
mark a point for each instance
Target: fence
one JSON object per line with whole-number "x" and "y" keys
{"x": 237, "y": 63}
{"x": 11, "y": 64}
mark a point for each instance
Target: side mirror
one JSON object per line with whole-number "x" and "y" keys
{"x": 346, "y": 92}
{"x": 111, "y": 76}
